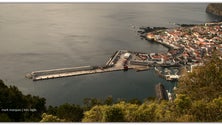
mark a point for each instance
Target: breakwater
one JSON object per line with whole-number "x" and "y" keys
{"x": 161, "y": 93}
{"x": 63, "y": 73}
{"x": 120, "y": 60}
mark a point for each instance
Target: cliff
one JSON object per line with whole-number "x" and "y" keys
{"x": 215, "y": 9}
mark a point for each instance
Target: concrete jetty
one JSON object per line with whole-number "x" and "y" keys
{"x": 73, "y": 73}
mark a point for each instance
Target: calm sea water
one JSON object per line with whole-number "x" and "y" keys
{"x": 45, "y": 36}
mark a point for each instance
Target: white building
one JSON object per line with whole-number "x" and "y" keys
{"x": 126, "y": 55}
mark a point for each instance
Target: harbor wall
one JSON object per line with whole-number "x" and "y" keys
{"x": 62, "y": 70}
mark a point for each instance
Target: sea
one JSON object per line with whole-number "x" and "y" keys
{"x": 40, "y": 36}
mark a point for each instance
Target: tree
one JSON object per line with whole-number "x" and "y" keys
{"x": 73, "y": 113}
{"x": 217, "y": 110}
{"x": 51, "y": 118}
{"x": 95, "y": 114}
{"x": 70, "y": 112}
{"x": 135, "y": 101}
{"x": 119, "y": 112}
{"x": 108, "y": 100}
{"x": 20, "y": 107}
{"x": 204, "y": 82}
{"x": 128, "y": 110}
{"x": 90, "y": 102}
{"x": 146, "y": 112}
{"x": 186, "y": 118}
{"x": 52, "y": 110}
{"x": 163, "y": 113}
{"x": 113, "y": 114}
{"x": 4, "y": 118}
{"x": 199, "y": 92}
{"x": 183, "y": 103}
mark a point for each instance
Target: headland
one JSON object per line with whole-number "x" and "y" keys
{"x": 215, "y": 9}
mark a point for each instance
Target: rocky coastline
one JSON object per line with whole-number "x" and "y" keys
{"x": 214, "y": 9}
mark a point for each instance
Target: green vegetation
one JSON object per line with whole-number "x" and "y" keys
{"x": 120, "y": 112}
{"x": 16, "y": 107}
{"x": 71, "y": 113}
{"x": 51, "y": 118}
{"x": 198, "y": 99}
{"x": 205, "y": 82}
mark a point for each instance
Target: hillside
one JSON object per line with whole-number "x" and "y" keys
{"x": 215, "y": 9}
